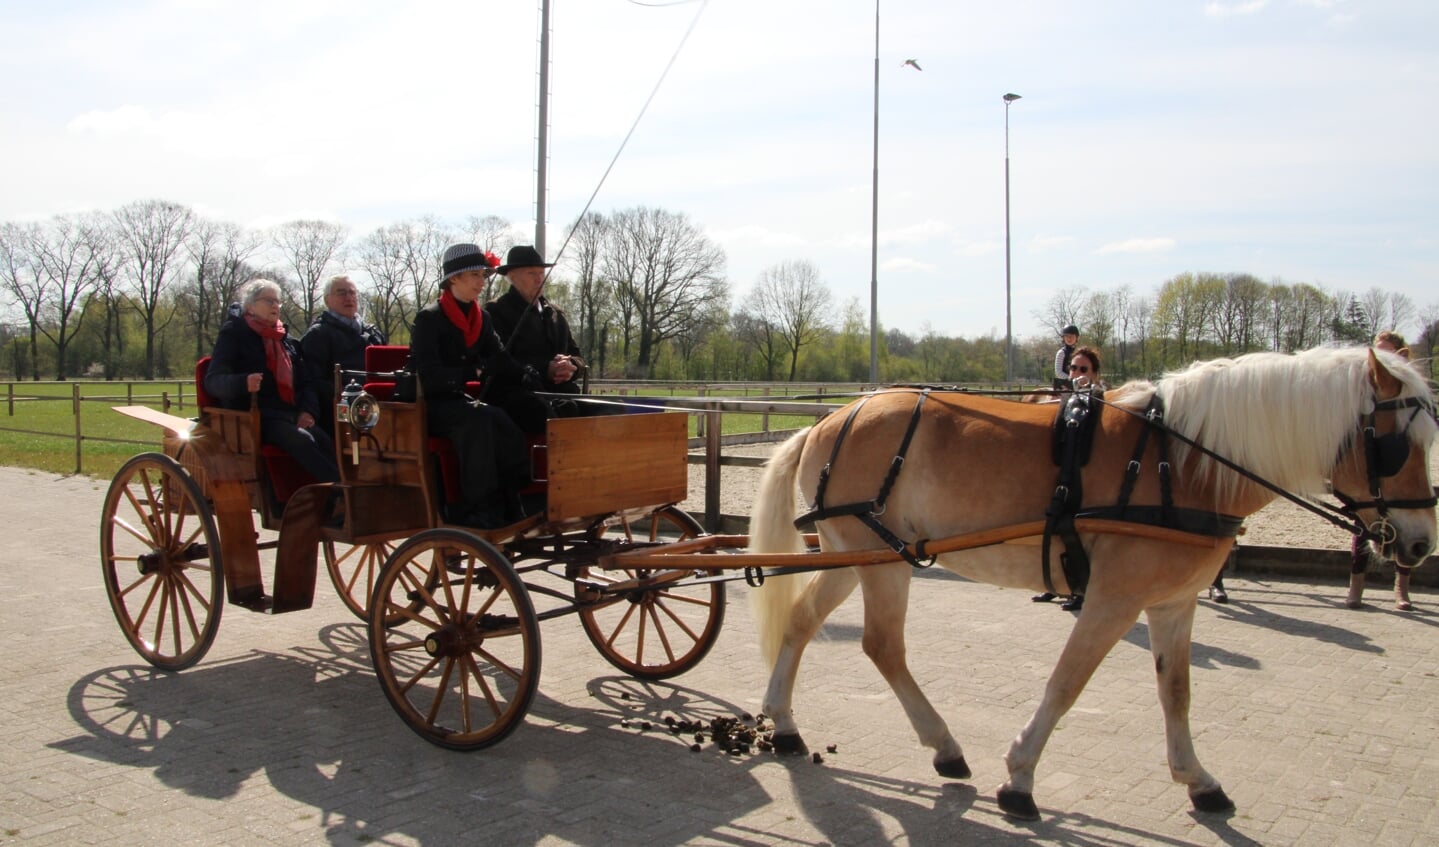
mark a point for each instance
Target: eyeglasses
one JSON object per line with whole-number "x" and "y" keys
{"x": 1079, "y": 370}
{"x": 346, "y": 292}
{"x": 273, "y": 301}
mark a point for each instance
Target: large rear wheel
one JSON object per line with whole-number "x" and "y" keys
{"x": 160, "y": 558}
{"x": 454, "y": 639}
{"x": 656, "y": 632}
{"x": 354, "y": 568}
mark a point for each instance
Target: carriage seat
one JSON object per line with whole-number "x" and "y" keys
{"x": 283, "y": 472}
{"x": 388, "y": 358}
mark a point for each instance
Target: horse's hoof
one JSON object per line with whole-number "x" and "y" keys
{"x": 790, "y": 744}
{"x": 1212, "y": 800}
{"x": 1019, "y": 804}
{"x": 956, "y": 768}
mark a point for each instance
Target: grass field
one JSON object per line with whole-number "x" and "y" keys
{"x": 47, "y": 407}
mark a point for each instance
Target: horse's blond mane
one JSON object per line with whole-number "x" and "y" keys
{"x": 1283, "y": 417}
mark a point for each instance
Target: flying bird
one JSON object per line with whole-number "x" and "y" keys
{"x": 911, "y": 63}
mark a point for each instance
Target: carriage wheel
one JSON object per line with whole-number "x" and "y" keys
{"x": 353, "y": 569}
{"x": 660, "y": 632}
{"x": 160, "y": 556}
{"x": 454, "y": 639}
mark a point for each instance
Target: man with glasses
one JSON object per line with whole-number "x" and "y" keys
{"x": 337, "y": 337}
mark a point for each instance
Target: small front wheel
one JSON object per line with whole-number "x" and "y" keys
{"x": 160, "y": 558}
{"x": 454, "y": 639}
{"x": 656, "y": 632}
{"x": 353, "y": 568}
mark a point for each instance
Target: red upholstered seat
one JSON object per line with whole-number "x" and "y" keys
{"x": 284, "y": 473}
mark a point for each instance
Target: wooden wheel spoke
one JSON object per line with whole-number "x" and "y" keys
{"x": 620, "y": 626}
{"x": 440, "y": 691}
{"x": 145, "y": 539}
{"x": 473, "y": 671}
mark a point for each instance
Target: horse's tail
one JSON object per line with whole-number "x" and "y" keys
{"x": 771, "y": 530}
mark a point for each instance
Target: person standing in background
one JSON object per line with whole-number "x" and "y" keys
{"x": 1063, "y": 356}
{"x": 1361, "y": 552}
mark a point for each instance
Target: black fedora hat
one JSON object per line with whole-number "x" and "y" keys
{"x": 523, "y": 256}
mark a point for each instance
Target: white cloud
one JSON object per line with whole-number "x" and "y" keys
{"x": 1225, "y": 10}
{"x": 1137, "y": 245}
{"x": 905, "y": 264}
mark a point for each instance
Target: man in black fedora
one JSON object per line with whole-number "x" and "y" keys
{"x": 537, "y": 335}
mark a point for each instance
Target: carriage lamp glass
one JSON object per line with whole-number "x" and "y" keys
{"x": 358, "y": 408}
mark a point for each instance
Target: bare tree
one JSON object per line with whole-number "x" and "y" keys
{"x": 69, "y": 253}
{"x": 151, "y": 235}
{"x": 1065, "y": 307}
{"x": 403, "y": 262}
{"x": 791, "y": 295}
{"x": 310, "y": 247}
{"x": 23, "y": 280}
{"x": 587, "y": 240}
{"x": 220, "y": 252}
{"x": 667, "y": 269}
{"x": 762, "y": 336}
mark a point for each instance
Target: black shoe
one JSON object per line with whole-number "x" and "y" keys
{"x": 1043, "y": 598}
{"x": 1218, "y": 595}
{"x": 1073, "y": 604}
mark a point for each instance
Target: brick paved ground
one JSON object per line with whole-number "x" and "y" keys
{"x": 1320, "y": 721}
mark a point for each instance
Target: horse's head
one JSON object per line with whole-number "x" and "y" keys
{"x": 1383, "y": 474}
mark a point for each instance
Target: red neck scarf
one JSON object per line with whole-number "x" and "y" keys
{"x": 277, "y": 358}
{"x": 470, "y": 324}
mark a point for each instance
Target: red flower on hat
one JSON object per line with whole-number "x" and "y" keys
{"x": 491, "y": 259}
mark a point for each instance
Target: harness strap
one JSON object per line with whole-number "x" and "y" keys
{"x": 897, "y": 463}
{"x": 1068, "y": 495}
{"x": 868, "y": 512}
{"x": 834, "y": 453}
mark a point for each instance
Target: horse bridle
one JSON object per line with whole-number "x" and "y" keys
{"x": 1384, "y": 456}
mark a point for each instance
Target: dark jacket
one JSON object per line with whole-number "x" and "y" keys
{"x": 541, "y": 336}
{"x": 332, "y": 341}
{"x": 442, "y": 361}
{"x": 240, "y": 351}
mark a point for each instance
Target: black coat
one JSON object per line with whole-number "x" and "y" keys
{"x": 444, "y": 363}
{"x": 240, "y": 351}
{"x": 541, "y": 336}
{"x": 328, "y": 342}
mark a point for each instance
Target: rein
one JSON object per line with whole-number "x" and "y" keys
{"x": 1354, "y": 526}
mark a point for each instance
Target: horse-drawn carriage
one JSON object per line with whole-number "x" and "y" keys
{"x": 903, "y": 478}
{"x": 453, "y": 627}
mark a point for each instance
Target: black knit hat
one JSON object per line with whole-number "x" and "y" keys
{"x": 464, "y": 257}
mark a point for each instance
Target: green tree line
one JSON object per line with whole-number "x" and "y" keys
{"x": 141, "y": 291}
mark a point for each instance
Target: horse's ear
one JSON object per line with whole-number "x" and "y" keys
{"x": 1386, "y": 386}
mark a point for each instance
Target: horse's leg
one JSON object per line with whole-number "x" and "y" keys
{"x": 886, "y": 599}
{"x": 1099, "y": 627}
{"x": 1170, "y": 628}
{"x": 820, "y": 597}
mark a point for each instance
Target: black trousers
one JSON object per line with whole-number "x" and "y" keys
{"x": 490, "y": 449}
{"x": 312, "y": 447}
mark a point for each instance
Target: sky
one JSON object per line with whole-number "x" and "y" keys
{"x": 1291, "y": 139}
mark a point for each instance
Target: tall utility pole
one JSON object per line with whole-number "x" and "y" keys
{"x": 542, "y": 136}
{"x": 874, "y": 224}
{"x": 1008, "y": 324}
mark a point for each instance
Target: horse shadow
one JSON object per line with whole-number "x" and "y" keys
{"x": 851, "y": 806}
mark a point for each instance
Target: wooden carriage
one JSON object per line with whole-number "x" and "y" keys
{"x": 179, "y": 539}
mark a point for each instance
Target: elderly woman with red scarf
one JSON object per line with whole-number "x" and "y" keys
{"x": 254, "y": 354}
{"x": 452, "y": 344}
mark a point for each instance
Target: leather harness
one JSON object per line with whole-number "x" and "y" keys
{"x": 1074, "y": 427}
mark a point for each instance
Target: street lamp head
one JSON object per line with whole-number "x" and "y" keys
{"x": 1010, "y": 98}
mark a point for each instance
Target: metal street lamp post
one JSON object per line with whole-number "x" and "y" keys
{"x": 1008, "y": 322}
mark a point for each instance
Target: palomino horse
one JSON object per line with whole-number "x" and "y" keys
{"x": 977, "y": 463}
